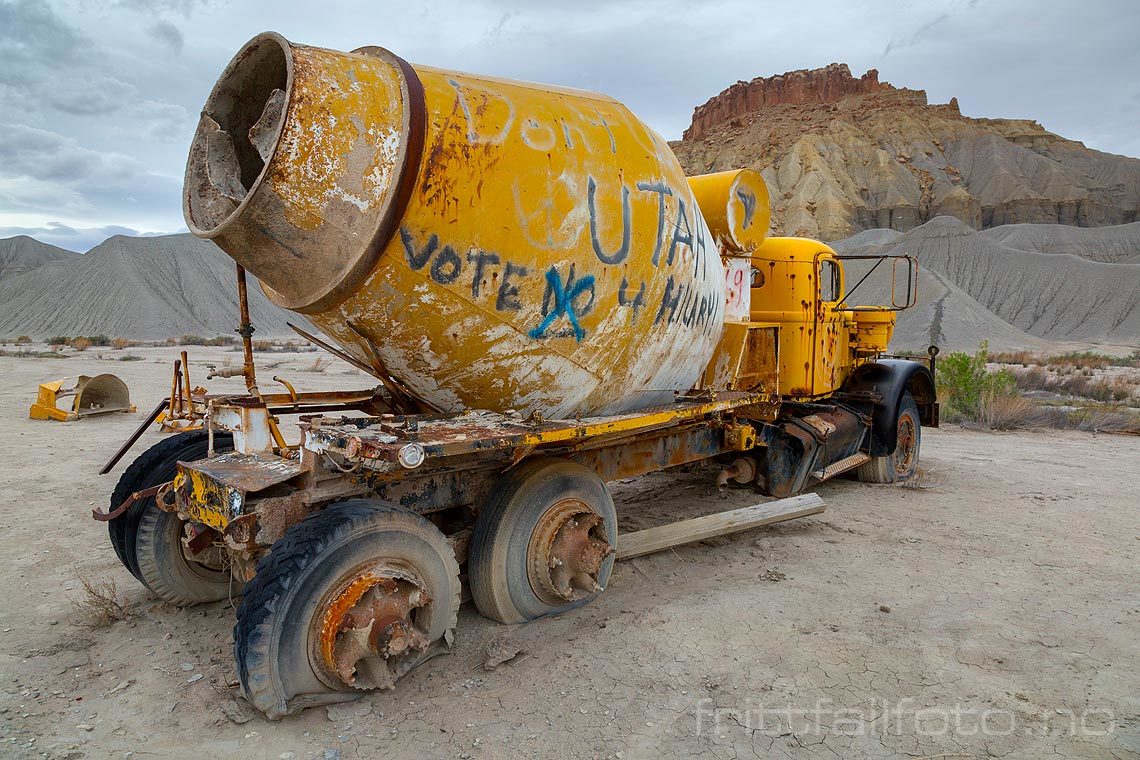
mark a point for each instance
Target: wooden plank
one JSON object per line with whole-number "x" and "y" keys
{"x": 699, "y": 528}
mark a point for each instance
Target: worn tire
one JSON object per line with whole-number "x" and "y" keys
{"x": 271, "y": 636}
{"x": 156, "y": 465}
{"x": 497, "y": 559}
{"x": 902, "y": 463}
{"x": 165, "y": 569}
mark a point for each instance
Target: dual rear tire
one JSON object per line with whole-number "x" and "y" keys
{"x": 148, "y": 540}
{"x": 350, "y": 599}
{"x": 356, "y": 596}
{"x": 544, "y": 542}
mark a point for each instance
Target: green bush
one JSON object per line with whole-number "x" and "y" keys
{"x": 967, "y": 389}
{"x": 99, "y": 340}
{"x": 59, "y": 340}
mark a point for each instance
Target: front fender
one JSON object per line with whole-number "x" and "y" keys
{"x": 886, "y": 380}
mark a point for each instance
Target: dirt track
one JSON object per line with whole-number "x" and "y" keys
{"x": 1010, "y": 577}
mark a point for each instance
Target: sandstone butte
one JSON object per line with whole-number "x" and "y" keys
{"x": 842, "y": 154}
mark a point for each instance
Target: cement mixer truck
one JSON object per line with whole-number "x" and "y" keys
{"x": 548, "y": 304}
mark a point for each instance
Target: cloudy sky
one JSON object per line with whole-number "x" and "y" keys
{"x": 98, "y": 98}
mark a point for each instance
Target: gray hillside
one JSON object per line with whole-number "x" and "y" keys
{"x": 1016, "y": 287}
{"x": 22, "y": 254}
{"x": 144, "y": 288}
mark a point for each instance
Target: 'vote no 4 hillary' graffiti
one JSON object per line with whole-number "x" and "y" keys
{"x": 569, "y": 295}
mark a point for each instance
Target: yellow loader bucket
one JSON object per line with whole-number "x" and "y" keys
{"x": 75, "y": 397}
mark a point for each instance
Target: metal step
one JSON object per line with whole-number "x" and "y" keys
{"x": 843, "y": 465}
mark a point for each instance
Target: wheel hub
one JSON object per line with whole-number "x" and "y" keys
{"x": 906, "y": 441}
{"x": 369, "y": 627}
{"x": 566, "y": 553}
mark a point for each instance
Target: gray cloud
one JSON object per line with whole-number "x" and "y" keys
{"x": 41, "y": 169}
{"x": 80, "y": 240}
{"x": 90, "y": 96}
{"x": 100, "y": 98}
{"x": 168, "y": 33}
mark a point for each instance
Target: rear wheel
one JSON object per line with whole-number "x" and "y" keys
{"x": 348, "y": 600}
{"x": 168, "y": 568}
{"x": 543, "y": 543}
{"x": 156, "y": 465}
{"x": 902, "y": 463}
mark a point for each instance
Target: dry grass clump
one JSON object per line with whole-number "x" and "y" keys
{"x": 81, "y": 344}
{"x": 1073, "y": 360}
{"x": 320, "y": 364}
{"x": 1006, "y": 411}
{"x": 100, "y": 605}
{"x": 1081, "y": 385}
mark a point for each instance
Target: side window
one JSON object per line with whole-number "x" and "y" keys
{"x": 829, "y": 281}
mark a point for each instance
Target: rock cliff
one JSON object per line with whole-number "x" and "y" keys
{"x": 842, "y": 154}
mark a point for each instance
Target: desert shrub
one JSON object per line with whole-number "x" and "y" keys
{"x": 99, "y": 340}
{"x": 198, "y": 340}
{"x": 1083, "y": 360}
{"x": 130, "y": 358}
{"x": 965, "y": 385}
{"x": 81, "y": 344}
{"x": 1105, "y": 389}
{"x": 320, "y": 364}
{"x": 101, "y": 604}
{"x": 23, "y": 340}
{"x": 1024, "y": 358}
{"x": 1034, "y": 379}
{"x": 1007, "y": 411}
{"x": 263, "y": 345}
{"x": 121, "y": 343}
{"x": 59, "y": 340}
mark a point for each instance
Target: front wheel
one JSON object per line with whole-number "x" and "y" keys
{"x": 348, "y": 600}
{"x": 902, "y": 463}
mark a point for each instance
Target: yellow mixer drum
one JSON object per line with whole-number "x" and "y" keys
{"x": 492, "y": 244}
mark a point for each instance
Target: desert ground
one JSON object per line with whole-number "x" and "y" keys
{"x": 990, "y": 609}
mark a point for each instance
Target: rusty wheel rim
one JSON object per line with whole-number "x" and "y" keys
{"x": 566, "y": 553}
{"x": 369, "y": 626}
{"x": 907, "y": 439}
{"x": 208, "y": 561}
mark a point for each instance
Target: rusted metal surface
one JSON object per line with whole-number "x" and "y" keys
{"x": 653, "y": 452}
{"x": 566, "y": 552}
{"x": 367, "y": 627}
{"x": 146, "y": 493}
{"x": 245, "y": 330}
{"x": 746, "y": 359}
{"x": 742, "y": 470}
{"x": 905, "y": 445}
{"x": 739, "y": 436}
{"x": 142, "y": 428}
{"x": 267, "y": 184}
{"x": 375, "y": 443}
{"x": 213, "y": 491}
